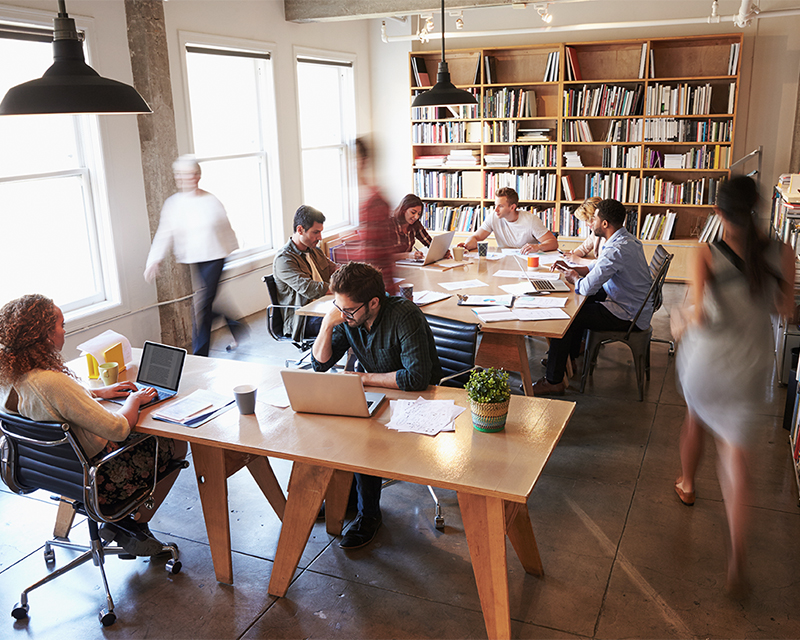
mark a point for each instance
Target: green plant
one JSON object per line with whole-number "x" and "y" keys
{"x": 488, "y": 385}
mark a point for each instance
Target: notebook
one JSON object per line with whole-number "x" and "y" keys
{"x": 439, "y": 247}
{"x": 161, "y": 367}
{"x": 333, "y": 394}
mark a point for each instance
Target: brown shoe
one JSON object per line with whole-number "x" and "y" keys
{"x": 544, "y": 388}
{"x": 686, "y": 497}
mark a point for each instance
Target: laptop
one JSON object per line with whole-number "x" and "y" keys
{"x": 161, "y": 367}
{"x": 542, "y": 284}
{"x": 439, "y": 247}
{"x": 333, "y": 394}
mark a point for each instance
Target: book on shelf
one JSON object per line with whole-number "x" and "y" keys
{"x": 497, "y": 159}
{"x": 420, "y": 72}
{"x": 429, "y": 161}
{"x": 572, "y": 57}
{"x": 652, "y": 64}
{"x": 572, "y": 159}
{"x": 731, "y": 97}
{"x": 643, "y": 60}
{"x": 566, "y": 183}
{"x": 471, "y": 184}
{"x": 477, "y": 78}
{"x": 462, "y": 158}
{"x": 490, "y": 69}
{"x": 551, "y": 71}
{"x": 733, "y": 59}
{"x": 534, "y": 135}
{"x": 673, "y": 161}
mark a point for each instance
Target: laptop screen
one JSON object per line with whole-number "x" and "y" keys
{"x": 161, "y": 366}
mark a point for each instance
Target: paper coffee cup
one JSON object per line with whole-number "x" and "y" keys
{"x": 533, "y": 261}
{"x": 483, "y": 249}
{"x": 245, "y": 398}
{"x": 407, "y": 291}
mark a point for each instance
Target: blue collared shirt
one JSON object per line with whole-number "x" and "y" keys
{"x": 622, "y": 271}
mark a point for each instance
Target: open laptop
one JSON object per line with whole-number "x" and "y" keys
{"x": 333, "y": 394}
{"x": 542, "y": 284}
{"x": 161, "y": 367}
{"x": 439, "y": 246}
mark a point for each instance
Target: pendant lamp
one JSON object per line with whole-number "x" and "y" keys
{"x": 444, "y": 93}
{"x": 70, "y": 85}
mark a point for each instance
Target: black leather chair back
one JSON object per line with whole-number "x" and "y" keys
{"x": 456, "y": 344}
{"x": 276, "y": 314}
{"x": 51, "y": 463}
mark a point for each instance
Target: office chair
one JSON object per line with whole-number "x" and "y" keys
{"x": 48, "y": 456}
{"x": 638, "y": 341}
{"x": 659, "y": 257}
{"x": 456, "y": 346}
{"x": 275, "y": 322}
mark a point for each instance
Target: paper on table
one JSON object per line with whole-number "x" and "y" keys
{"x": 107, "y": 339}
{"x": 183, "y": 408}
{"x": 325, "y": 307}
{"x": 276, "y": 396}
{"x": 550, "y": 257}
{"x": 462, "y": 284}
{"x": 422, "y": 298}
{"x": 509, "y": 251}
{"x": 518, "y": 288}
{"x": 427, "y": 417}
{"x": 506, "y": 273}
{"x": 494, "y": 314}
{"x": 485, "y": 301}
{"x": 539, "y": 302}
{"x": 540, "y": 314}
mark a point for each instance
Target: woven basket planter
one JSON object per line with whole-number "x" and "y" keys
{"x": 489, "y": 417}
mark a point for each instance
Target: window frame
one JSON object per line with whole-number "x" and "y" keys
{"x": 91, "y": 171}
{"x": 269, "y": 125}
{"x": 350, "y": 126}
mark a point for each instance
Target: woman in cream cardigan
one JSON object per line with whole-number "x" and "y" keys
{"x": 35, "y": 383}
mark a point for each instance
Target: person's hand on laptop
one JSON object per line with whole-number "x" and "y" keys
{"x": 571, "y": 274}
{"x": 117, "y": 390}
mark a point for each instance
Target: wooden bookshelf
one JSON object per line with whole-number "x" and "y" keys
{"x": 638, "y": 103}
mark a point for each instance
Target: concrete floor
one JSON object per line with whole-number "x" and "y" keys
{"x": 623, "y": 558}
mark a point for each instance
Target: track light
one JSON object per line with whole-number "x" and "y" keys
{"x": 459, "y": 16}
{"x": 544, "y": 12}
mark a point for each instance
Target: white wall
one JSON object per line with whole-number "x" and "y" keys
{"x": 769, "y": 69}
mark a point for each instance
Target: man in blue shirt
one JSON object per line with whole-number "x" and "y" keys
{"x": 616, "y": 285}
{"x": 395, "y": 348}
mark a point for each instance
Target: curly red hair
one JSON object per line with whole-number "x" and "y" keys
{"x": 25, "y": 327}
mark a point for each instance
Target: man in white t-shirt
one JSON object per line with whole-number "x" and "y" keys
{"x": 513, "y": 229}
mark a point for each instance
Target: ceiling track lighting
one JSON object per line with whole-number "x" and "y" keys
{"x": 70, "y": 85}
{"x": 444, "y": 93}
{"x": 459, "y": 16}
{"x": 544, "y": 12}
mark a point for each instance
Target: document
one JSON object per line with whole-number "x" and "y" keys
{"x": 185, "y": 411}
{"x": 427, "y": 417}
{"x": 495, "y": 314}
{"x": 462, "y": 284}
{"x": 539, "y": 302}
{"x": 540, "y": 314}
{"x": 421, "y": 298}
{"x": 485, "y": 301}
{"x": 506, "y": 273}
{"x": 276, "y": 396}
{"x": 518, "y": 289}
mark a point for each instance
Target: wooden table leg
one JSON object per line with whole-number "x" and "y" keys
{"x": 262, "y": 473}
{"x": 307, "y": 488}
{"x": 507, "y": 351}
{"x": 64, "y": 519}
{"x": 485, "y": 526}
{"x": 336, "y": 500}
{"x": 520, "y": 532}
{"x": 209, "y": 467}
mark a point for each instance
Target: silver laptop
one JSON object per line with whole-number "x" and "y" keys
{"x": 161, "y": 367}
{"x": 333, "y": 394}
{"x": 542, "y": 284}
{"x": 439, "y": 247}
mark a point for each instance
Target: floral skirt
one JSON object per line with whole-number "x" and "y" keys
{"x": 129, "y": 472}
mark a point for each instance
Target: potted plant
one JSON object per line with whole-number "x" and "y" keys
{"x": 489, "y": 395}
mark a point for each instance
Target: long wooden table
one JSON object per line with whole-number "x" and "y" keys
{"x": 502, "y": 343}
{"x": 493, "y": 474}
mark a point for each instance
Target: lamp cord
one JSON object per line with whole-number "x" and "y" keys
{"x": 442, "y": 30}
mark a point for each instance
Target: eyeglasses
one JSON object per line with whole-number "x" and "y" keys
{"x": 350, "y": 315}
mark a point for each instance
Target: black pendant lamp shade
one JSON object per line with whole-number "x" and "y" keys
{"x": 444, "y": 93}
{"x": 70, "y": 85}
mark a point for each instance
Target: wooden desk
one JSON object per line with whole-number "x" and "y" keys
{"x": 502, "y": 343}
{"x": 493, "y": 474}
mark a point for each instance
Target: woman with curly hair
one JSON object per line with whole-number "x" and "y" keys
{"x": 35, "y": 383}
{"x": 590, "y": 249}
{"x": 408, "y": 227}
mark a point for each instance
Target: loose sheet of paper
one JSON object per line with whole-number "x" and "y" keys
{"x": 184, "y": 409}
{"x": 518, "y": 288}
{"x": 325, "y": 307}
{"x": 428, "y": 297}
{"x": 505, "y": 273}
{"x": 539, "y": 302}
{"x": 494, "y": 314}
{"x": 540, "y": 314}
{"x": 462, "y": 284}
{"x": 427, "y": 417}
{"x": 485, "y": 301}
{"x": 276, "y": 396}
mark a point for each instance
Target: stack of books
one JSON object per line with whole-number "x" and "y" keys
{"x": 462, "y": 158}
{"x": 497, "y": 159}
{"x": 534, "y": 135}
{"x": 572, "y": 159}
{"x": 673, "y": 161}
{"x": 428, "y": 162}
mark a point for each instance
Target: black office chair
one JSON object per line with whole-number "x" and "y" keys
{"x": 456, "y": 346}
{"x": 275, "y": 323}
{"x": 659, "y": 257}
{"x": 638, "y": 341}
{"x": 48, "y": 456}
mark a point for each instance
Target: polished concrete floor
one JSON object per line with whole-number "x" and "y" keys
{"x": 623, "y": 558}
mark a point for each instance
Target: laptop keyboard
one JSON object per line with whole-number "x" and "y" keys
{"x": 543, "y": 285}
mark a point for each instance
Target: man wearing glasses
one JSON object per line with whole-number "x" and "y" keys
{"x": 395, "y": 348}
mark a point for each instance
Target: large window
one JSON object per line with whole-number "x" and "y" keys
{"x": 52, "y": 220}
{"x": 326, "y": 97}
{"x": 232, "y": 105}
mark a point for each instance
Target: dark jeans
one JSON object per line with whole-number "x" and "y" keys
{"x": 368, "y": 489}
{"x": 208, "y": 275}
{"x": 592, "y": 315}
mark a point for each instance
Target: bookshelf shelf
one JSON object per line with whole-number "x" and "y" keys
{"x": 679, "y": 74}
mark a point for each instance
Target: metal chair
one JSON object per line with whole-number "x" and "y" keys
{"x": 638, "y": 341}
{"x": 659, "y": 257}
{"x": 48, "y": 456}
{"x": 275, "y": 323}
{"x": 456, "y": 346}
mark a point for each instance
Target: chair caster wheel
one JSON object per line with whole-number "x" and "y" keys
{"x": 107, "y": 618}
{"x": 439, "y": 523}
{"x": 49, "y": 556}
{"x": 20, "y": 611}
{"x": 173, "y": 566}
